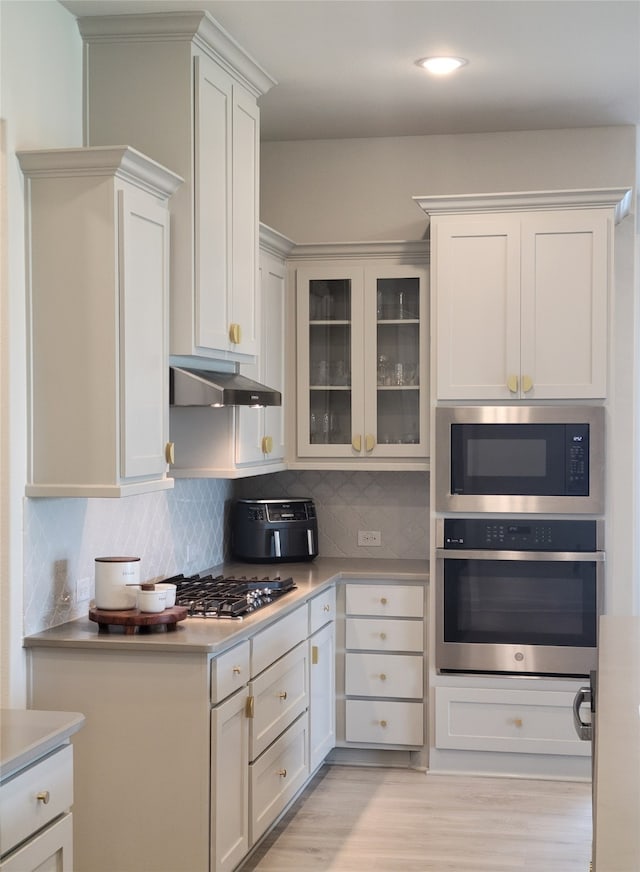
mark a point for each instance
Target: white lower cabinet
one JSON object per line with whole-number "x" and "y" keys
{"x": 520, "y": 721}
{"x": 48, "y": 851}
{"x": 384, "y": 664}
{"x": 322, "y": 677}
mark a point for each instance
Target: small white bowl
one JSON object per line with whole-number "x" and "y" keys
{"x": 152, "y": 600}
{"x": 170, "y": 590}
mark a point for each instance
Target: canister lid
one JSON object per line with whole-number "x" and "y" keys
{"x": 116, "y": 559}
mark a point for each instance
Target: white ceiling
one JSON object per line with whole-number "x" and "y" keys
{"x": 345, "y": 68}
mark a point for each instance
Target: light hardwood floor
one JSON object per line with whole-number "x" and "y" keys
{"x": 392, "y": 820}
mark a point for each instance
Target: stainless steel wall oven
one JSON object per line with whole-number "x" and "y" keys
{"x": 518, "y": 596}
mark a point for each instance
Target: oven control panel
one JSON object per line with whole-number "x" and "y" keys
{"x": 506, "y": 534}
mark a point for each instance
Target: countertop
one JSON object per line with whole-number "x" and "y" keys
{"x": 26, "y": 735}
{"x": 210, "y": 635}
{"x": 617, "y": 763}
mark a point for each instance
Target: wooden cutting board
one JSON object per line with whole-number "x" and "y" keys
{"x": 133, "y": 619}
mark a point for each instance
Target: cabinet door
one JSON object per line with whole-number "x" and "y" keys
{"x": 213, "y": 136}
{"x": 260, "y": 432}
{"x": 245, "y": 312}
{"x": 49, "y": 851}
{"x": 396, "y": 330}
{"x": 565, "y": 278}
{"x": 322, "y": 692}
{"x": 229, "y": 783}
{"x": 144, "y": 299}
{"x": 330, "y": 361}
{"x": 475, "y": 265}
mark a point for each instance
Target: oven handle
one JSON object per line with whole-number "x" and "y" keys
{"x": 477, "y": 554}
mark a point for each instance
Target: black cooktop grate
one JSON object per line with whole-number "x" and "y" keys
{"x": 208, "y": 596}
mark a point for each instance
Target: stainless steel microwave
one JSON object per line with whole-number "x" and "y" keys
{"x": 546, "y": 459}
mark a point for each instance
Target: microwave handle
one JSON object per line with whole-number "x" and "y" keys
{"x": 310, "y": 541}
{"x": 276, "y": 543}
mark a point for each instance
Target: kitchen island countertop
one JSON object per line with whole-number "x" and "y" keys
{"x": 211, "y": 635}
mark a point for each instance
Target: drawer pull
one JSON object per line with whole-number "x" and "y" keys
{"x": 383, "y": 677}
{"x": 383, "y": 724}
{"x": 237, "y": 670}
{"x": 282, "y": 773}
{"x": 282, "y": 695}
{"x": 43, "y": 797}
{"x": 314, "y": 655}
{"x": 249, "y": 707}
{"x": 517, "y": 722}
{"x": 383, "y": 600}
{"x": 327, "y": 607}
{"x": 383, "y": 635}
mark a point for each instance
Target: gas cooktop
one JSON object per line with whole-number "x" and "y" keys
{"x": 209, "y": 596}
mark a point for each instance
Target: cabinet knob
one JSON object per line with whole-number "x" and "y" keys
{"x": 237, "y": 670}
{"x": 169, "y": 452}
{"x": 327, "y": 607}
{"x": 282, "y": 773}
{"x": 235, "y": 333}
{"x": 383, "y": 677}
{"x": 517, "y": 722}
{"x": 356, "y": 443}
{"x": 383, "y": 635}
{"x": 369, "y": 442}
{"x": 43, "y": 797}
{"x": 383, "y": 600}
{"x": 512, "y": 384}
{"x": 527, "y": 383}
{"x": 267, "y": 444}
{"x": 282, "y": 694}
{"x": 383, "y": 724}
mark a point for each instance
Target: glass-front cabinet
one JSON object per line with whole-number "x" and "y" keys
{"x": 362, "y": 361}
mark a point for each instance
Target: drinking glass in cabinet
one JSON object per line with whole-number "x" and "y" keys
{"x": 330, "y": 419}
{"x": 330, "y": 300}
{"x": 398, "y": 299}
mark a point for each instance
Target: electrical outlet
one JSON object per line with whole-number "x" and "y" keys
{"x": 83, "y": 590}
{"x": 369, "y": 537}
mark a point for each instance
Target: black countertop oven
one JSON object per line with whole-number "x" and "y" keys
{"x": 274, "y": 531}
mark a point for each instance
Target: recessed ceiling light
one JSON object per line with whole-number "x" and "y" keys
{"x": 441, "y": 66}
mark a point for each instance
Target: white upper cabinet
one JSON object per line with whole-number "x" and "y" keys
{"x": 362, "y": 356}
{"x": 179, "y": 88}
{"x": 98, "y": 296}
{"x": 521, "y": 293}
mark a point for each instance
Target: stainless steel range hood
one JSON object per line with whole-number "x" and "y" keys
{"x": 196, "y": 387}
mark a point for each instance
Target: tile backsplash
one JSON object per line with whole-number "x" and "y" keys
{"x": 186, "y": 529}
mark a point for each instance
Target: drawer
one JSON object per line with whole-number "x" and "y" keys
{"x": 280, "y": 637}
{"x": 371, "y": 634}
{"x": 393, "y": 600}
{"x": 279, "y": 694}
{"x": 388, "y": 675}
{"x": 488, "y": 719}
{"x": 277, "y": 776}
{"x": 384, "y": 722}
{"x": 229, "y": 672}
{"x": 51, "y": 850}
{"x": 22, "y": 812}
{"x": 322, "y": 609}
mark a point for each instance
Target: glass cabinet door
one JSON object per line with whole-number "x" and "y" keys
{"x": 399, "y": 367}
{"x": 326, "y": 374}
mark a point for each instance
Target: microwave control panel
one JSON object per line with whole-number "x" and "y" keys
{"x": 506, "y": 534}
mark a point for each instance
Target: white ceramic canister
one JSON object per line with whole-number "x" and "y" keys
{"x": 115, "y": 579}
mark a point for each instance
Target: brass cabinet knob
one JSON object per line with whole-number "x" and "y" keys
{"x": 527, "y": 383}
{"x": 512, "y": 384}
{"x": 169, "y": 452}
{"x": 383, "y": 677}
{"x": 237, "y": 670}
{"x": 369, "y": 442}
{"x": 282, "y": 695}
{"x": 43, "y": 797}
{"x": 383, "y": 600}
{"x": 383, "y": 635}
{"x": 267, "y": 444}
{"x": 327, "y": 607}
{"x": 282, "y": 773}
{"x": 517, "y": 722}
{"x": 383, "y": 724}
{"x": 356, "y": 442}
{"x": 235, "y": 333}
